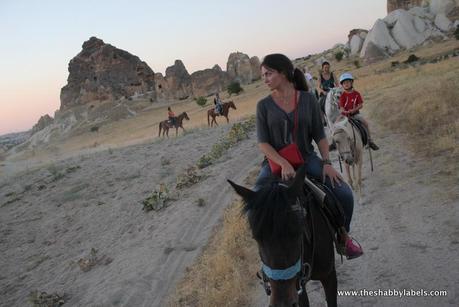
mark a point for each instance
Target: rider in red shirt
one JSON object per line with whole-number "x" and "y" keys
{"x": 171, "y": 116}
{"x": 351, "y": 102}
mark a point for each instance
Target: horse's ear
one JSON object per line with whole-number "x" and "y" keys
{"x": 298, "y": 182}
{"x": 245, "y": 193}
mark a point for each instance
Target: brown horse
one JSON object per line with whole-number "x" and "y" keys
{"x": 165, "y": 125}
{"x": 225, "y": 110}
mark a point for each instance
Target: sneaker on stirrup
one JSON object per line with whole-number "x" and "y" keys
{"x": 353, "y": 250}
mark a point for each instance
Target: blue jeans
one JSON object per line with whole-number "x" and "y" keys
{"x": 314, "y": 169}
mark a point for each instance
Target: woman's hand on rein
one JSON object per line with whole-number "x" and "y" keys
{"x": 287, "y": 171}
{"x": 330, "y": 172}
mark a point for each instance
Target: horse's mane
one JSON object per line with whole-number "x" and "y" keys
{"x": 270, "y": 214}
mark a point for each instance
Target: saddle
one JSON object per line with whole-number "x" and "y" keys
{"x": 362, "y": 129}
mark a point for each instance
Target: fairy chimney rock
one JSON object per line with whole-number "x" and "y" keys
{"x": 103, "y": 72}
{"x": 239, "y": 68}
{"x": 178, "y": 80}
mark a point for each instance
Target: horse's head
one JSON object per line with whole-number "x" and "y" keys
{"x": 277, "y": 220}
{"x": 332, "y": 104}
{"x": 185, "y": 116}
{"x": 344, "y": 141}
{"x": 231, "y": 104}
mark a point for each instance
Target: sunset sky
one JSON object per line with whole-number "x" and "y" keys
{"x": 39, "y": 38}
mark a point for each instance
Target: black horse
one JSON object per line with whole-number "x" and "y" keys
{"x": 295, "y": 240}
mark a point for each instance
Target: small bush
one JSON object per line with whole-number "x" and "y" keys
{"x": 234, "y": 88}
{"x": 43, "y": 299}
{"x": 456, "y": 33}
{"x": 200, "y": 202}
{"x": 412, "y": 58}
{"x": 95, "y": 129}
{"x": 357, "y": 64}
{"x": 201, "y": 101}
{"x": 239, "y": 132}
{"x": 157, "y": 200}
{"x": 339, "y": 56}
{"x": 188, "y": 178}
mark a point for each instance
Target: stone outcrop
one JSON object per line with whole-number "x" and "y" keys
{"x": 406, "y": 29}
{"x": 256, "y": 69}
{"x": 178, "y": 81}
{"x": 393, "y": 5}
{"x": 103, "y": 72}
{"x": 239, "y": 68}
{"x": 42, "y": 123}
{"x": 442, "y": 6}
{"x": 356, "y": 38}
{"x": 209, "y": 81}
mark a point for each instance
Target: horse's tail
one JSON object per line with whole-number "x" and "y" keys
{"x": 159, "y": 130}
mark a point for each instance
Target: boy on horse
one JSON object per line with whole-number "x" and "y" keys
{"x": 218, "y": 104}
{"x": 171, "y": 116}
{"x": 351, "y": 102}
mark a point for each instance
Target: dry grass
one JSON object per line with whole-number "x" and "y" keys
{"x": 421, "y": 102}
{"x": 225, "y": 272}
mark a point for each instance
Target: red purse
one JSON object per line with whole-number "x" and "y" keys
{"x": 291, "y": 152}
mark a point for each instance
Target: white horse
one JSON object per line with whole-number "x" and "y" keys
{"x": 332, "y": 110}
{"x": 347, "y": 139}
{"x": 350, "y": 148}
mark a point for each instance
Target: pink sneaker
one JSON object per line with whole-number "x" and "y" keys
{"x": 353, "y": 250}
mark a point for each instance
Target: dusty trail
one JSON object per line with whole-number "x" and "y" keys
{"x": 408, "y": 225}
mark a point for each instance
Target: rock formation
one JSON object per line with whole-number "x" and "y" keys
{"x": 393, "y": 5}
{"x": 406, "y": 29}
{"x": 178, "y": 81}
{"x": 102, "y": 72}
{"x": 256, "y": 69}
{"x": 42, "y": 123}
{"x": 209, "y": 81}
{"x": 239, "y": 68}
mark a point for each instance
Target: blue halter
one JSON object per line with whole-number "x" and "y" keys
{"x": 285, "y": 274}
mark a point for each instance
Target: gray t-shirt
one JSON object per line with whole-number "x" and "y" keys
{"x": 275, "y": 126}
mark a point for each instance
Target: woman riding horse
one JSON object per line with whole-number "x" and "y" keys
{"x": 275, "y": 117}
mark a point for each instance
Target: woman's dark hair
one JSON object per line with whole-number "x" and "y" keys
{"x": 169, "y": 109}
{"x": 325, "y": 63}
{"x": 283, "y": 65}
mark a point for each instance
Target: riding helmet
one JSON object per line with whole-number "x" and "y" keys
{"x": 344, "y": 77}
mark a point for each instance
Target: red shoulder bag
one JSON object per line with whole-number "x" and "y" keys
{"x": 291, "y": 152}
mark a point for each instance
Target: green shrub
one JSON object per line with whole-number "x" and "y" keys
{"x": 201, "y": 101}
{"x": 339, "y": 56}
{"x": 357, "y": 63}
{"x": 412, "y": 58}
{"x": 157, "y": 200}
{"x": 456, "y": 33}
{"x": 234, "y": 88}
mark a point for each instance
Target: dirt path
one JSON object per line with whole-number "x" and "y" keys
{"x": 408, "y": 225}
{"x": 51, "y": 217}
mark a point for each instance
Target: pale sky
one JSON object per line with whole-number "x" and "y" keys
{"x": 39, "y": 38}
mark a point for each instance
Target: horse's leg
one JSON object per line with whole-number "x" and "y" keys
{"x": 227, "y": 119}
{"x": 330, "y": 285}
{"x": 348, "y": 174}
{"x": 359, "y": 177}
{"x": 159, "y": 132}
{"x": 176, "y": 131}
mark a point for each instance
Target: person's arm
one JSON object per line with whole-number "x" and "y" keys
{"x": 358, "y": 103}
{"x": 328, "y": 170}
{"x": 287, "y": 170}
